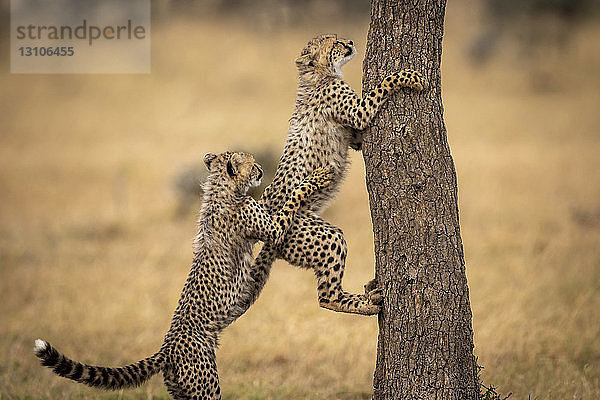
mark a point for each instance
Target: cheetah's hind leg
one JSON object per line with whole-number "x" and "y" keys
{"x": 192, "y": 372}
{"x": 316, "y": 244}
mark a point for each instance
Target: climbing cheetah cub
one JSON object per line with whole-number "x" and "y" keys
{"x": 219, "y": 279}
{"x": 328, "y": 120}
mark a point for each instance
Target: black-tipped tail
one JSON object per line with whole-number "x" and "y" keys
{"x": 129, "y": 376}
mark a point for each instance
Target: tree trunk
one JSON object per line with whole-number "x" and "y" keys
{"x": 425, "y": 348}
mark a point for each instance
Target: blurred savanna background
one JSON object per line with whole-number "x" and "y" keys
{"x": 98, "y": 199}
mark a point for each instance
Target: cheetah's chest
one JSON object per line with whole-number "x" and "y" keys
{"x": 317, "y": 143}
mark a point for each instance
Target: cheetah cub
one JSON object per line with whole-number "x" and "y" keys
{"x": 219, "y": 278}
{"x": 328, "y": 120}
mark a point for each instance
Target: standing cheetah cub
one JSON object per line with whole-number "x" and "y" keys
{"x": 328, "y": 120}
{"x": 220, "y": 276}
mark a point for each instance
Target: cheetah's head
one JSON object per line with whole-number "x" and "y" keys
{"x": 326, "y": 54}
{"x": 235, "y": 170}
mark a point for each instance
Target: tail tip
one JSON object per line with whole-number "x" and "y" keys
{"x": 40, "y": 346}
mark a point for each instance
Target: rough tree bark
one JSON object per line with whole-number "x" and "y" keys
{"x": 425, "y": 348}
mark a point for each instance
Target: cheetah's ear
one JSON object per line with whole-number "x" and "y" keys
{"x": 233, "y": 164}
{"x": 231, "y": 169}
{"x": 208, "y": 159}
{"x": 306, "y": 59}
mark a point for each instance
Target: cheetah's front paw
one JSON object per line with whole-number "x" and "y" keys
{"x": 418, "y": 81}
{"x": 321, "y": 177}
{"x": 409, "y": 78}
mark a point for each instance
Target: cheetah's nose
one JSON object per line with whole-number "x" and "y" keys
{"x": 351, "y": 43}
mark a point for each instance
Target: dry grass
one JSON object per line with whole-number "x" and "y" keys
{"x": 92, "y": 259}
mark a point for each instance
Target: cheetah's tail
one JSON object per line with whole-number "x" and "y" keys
{"x": 129, "y": 376}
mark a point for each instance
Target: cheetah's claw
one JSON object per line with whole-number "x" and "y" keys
{"x": 278, "y": 240}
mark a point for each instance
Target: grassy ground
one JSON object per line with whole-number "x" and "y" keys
{"x": 92, "y": 258}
